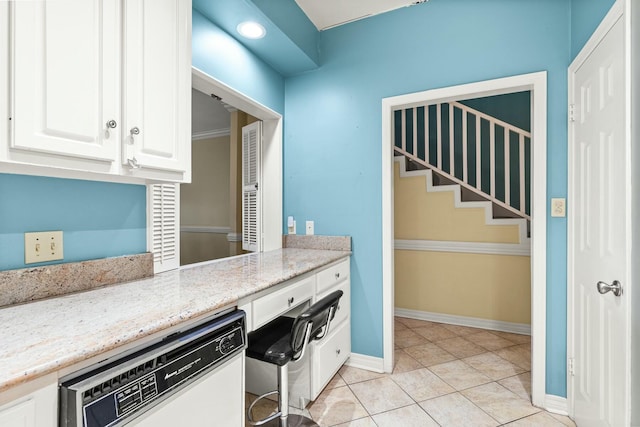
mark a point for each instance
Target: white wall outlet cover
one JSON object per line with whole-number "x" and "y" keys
{"x": 558, "y": 207}
{"x": 43, "y": 246}
{"x": 309, "y": 228}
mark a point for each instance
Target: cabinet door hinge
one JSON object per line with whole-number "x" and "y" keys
{"x": 571, "y": 366}
{"x": 572, "y": 112}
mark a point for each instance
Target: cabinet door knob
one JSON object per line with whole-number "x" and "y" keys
{"x": 290, "y": 300}
{"x": 338, "y": 352}
{"x": 337, "y": 276}
{"x": 111, "y": 124}
{"x": 135, "y": 131}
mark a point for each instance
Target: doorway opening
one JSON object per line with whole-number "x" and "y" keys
{"x": 247, "y": 110}
{"x": 536, "y": 84}
{"x": 210, "y": 206}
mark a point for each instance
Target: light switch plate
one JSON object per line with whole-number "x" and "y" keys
{"x": 43, "y": 246}
{"x": 558, "y": 208}
{"x": 309, "y": 228}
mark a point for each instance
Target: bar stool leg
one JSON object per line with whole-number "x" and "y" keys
{"x": 283, "y": 396}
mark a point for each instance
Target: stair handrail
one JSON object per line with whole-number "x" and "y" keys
{"x": 520, "y": 209}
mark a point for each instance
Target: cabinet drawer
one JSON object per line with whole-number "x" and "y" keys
{"x": 329, "y": 355}
{"x": 275, "y": 304}
{"x": 344, "y": 307}
{"x": 333, "y": 275}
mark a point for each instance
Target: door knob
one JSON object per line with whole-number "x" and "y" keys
{"x": 616, "y": 287}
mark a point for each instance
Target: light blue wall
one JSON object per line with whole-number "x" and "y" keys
{"x": 98, "y": 219}
{"x": 332, "y": 153}
{"x": 221, "y": 56}
{"x": 585, "y": 17}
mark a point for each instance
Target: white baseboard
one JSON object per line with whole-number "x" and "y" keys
{"x": 473, "y": 322}
{"x": 556, "y": 404}
{"x": 362, "y": 361}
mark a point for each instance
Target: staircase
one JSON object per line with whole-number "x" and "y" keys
{"x": 486, "y": 159}
{"x": 434, "y": 184}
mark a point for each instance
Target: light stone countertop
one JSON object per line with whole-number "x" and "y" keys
{"x": 45, "y": 336}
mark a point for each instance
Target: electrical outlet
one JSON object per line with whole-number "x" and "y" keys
{"x": 558, "y": 208}
{"x": 43, "y": 246}
{"x": 309, "y": 228}
{"x": 291, "y": 225}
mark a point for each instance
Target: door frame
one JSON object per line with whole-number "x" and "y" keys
{"x": 537, "y": 84}
{"x": 619, "y": 8}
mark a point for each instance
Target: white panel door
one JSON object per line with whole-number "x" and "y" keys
{"x": 65, "y": 77}
{"x": 157, "y": 84}
{"x": 601, "y": 232}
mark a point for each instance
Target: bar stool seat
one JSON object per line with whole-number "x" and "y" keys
{"x": 284, "y": 340}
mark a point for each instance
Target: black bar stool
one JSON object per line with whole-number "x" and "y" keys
{"x": 283, "y": 340}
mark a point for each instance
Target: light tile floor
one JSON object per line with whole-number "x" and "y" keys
{"x": 444, "y": 375}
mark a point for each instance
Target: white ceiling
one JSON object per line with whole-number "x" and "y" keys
{"x": 330, "y": 13}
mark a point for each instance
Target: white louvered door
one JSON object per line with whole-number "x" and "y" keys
{"x": 251, "y": 203}
{"x": 164, "y": 220}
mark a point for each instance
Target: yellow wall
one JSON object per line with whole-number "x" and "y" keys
{"x": 493, "y": 287}
{"x": 205, "y": 202}
{"x": 433, "y": 216}
{"x": 198, "y": 247}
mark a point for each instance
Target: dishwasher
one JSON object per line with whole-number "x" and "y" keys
{"x": 190, "y": 378}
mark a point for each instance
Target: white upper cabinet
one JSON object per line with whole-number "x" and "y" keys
{"x": 99, "y": 86}
{"x": 65, "y": 77}
{"x": 157, "y": 85}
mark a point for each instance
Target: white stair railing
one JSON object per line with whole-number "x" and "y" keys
{"x": 429, "y": 150}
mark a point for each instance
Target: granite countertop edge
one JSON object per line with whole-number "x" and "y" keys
{"x": 49, "y": 335}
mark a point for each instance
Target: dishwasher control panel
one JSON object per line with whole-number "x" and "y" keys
{"x": 114, "y": 393}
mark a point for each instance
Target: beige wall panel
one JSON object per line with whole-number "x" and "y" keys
{"x": 494, "y": 287}
{"x": 205, "y": 202}
{"x": 433, "y": 216}
{"x": 198, "y": 247}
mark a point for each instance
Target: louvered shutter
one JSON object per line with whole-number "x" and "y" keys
{"x": 251, "y": 206}
{"x": 163, "y": 207}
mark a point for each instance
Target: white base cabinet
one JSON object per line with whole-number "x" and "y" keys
{"x": 322, "y": 360}
{"x": 38, "y": 409}
{"x": 97, "y": 87}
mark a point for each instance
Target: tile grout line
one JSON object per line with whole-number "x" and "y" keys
{"x": 491, "y": 379}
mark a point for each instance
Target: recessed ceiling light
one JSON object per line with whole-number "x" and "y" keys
{"x": 251, "y": 30}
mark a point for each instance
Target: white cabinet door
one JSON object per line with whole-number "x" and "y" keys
{"x": 157, "y": 84}
{"x": 65, "y": 68}
{"x": 38, "y": 409}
